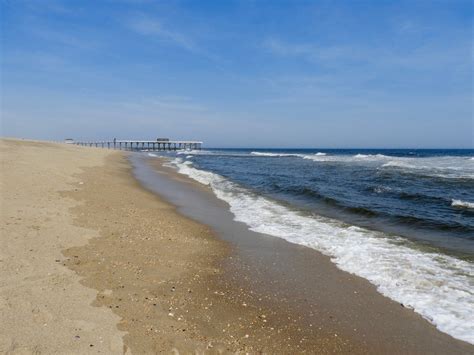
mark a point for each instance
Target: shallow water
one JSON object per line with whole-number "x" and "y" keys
{"x": 401, "y": 219}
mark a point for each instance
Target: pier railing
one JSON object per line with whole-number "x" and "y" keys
{"x": 142, "y": 145}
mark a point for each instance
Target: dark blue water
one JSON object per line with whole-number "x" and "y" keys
{"x": 424, "y": 195}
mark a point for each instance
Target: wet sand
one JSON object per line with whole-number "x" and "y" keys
{"x": 161, "y": 273}
{"x": 93, "y": 262}
{"x": 299, "y": 281}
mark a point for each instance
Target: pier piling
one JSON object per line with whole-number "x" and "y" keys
{"x": 138, "y": 145}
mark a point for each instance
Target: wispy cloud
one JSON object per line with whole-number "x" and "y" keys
{"x": 307, "y": 50}
{"x": 152, "y": 27}
{"x": 427, "y": 56}
{"x": 50, "y": 6}
{"x": 156, "y": 29}
{"x": 168, "y": 104}
{"x": 279, "y": 47}
{"x": 73, "y": 40}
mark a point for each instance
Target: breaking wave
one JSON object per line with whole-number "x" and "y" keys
{"x": 435, "y": 285}
{"x": 462, "y": 204}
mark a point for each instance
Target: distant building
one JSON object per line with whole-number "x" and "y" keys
{"x": 162, "y": 139}
{"x": 69, "y": 141}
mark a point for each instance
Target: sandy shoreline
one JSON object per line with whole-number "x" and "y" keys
{"x": 43, "y": 307}
{"x": 93, "y": 262}
{"x": 300, "y": 282}
{"x": 145, "y": 272}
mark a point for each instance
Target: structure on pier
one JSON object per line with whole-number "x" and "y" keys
{"x": 160, "y": 144}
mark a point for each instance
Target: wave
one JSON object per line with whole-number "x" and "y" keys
{"x": 152, "y": 155}
{"x": 435, "y": 167}
{"x": 358, "y": 158}
{"x": 304, "y": 156}
{"x": 370, "y": 156}
{"x": 403, "y": 217}
{"x": 399, "y": 164}
{"x": 265, "y": 154}
{"x": 213, "y": 153}
{"x": 462, "y": 204}
{"x": 381, "y": 189}
{"x": 454, "y": 168}
{"x": 321, "y": 154}
{"x": 195, "y": 152}
{"x": 435, "y": 285}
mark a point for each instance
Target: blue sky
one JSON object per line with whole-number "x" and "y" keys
{"x": 240, "y": 73}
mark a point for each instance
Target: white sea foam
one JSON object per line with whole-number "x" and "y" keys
{"x": 194, "y": 152}
{"x": 315, "y": 157}
{"x": 341, "y": 158}
{"x": 382, "y": 189}
{"x": 324, "y": 157}
{"x": 398, "y": 164}
{"x": 152, "y": 155}
{"x": 436, "y": 286}
{"x": 267, "y": 154}
{"x": 444, "y": 167}
{"x": 462, "y": 204}
{"x": 370, "y": 156}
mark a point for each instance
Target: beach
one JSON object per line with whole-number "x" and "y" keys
{"x": 104, "y": 252}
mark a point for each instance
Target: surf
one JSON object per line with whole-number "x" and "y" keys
{"x": 435, "y": 285}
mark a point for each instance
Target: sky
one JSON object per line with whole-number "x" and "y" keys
{"x": 322, "y": 74}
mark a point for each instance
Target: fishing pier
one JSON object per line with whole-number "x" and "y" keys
{"x": 136, "y": 145}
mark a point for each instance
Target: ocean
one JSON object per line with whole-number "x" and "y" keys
{"x": 402, "y": 219}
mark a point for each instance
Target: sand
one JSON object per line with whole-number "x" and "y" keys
{"x": 43, "y": 306}
{"x": 93, "y": 262}
{"x": 304, "y": 291}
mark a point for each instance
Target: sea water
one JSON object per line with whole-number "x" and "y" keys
{"x": 402, "y": 219}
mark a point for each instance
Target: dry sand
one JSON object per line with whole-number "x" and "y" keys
{"x": 43, "y": 307}
{"x": 92, "y": 262}
{"x": 145, "y": 272}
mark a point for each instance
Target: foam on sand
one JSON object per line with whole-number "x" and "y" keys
{"x": 436, "y": 286}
